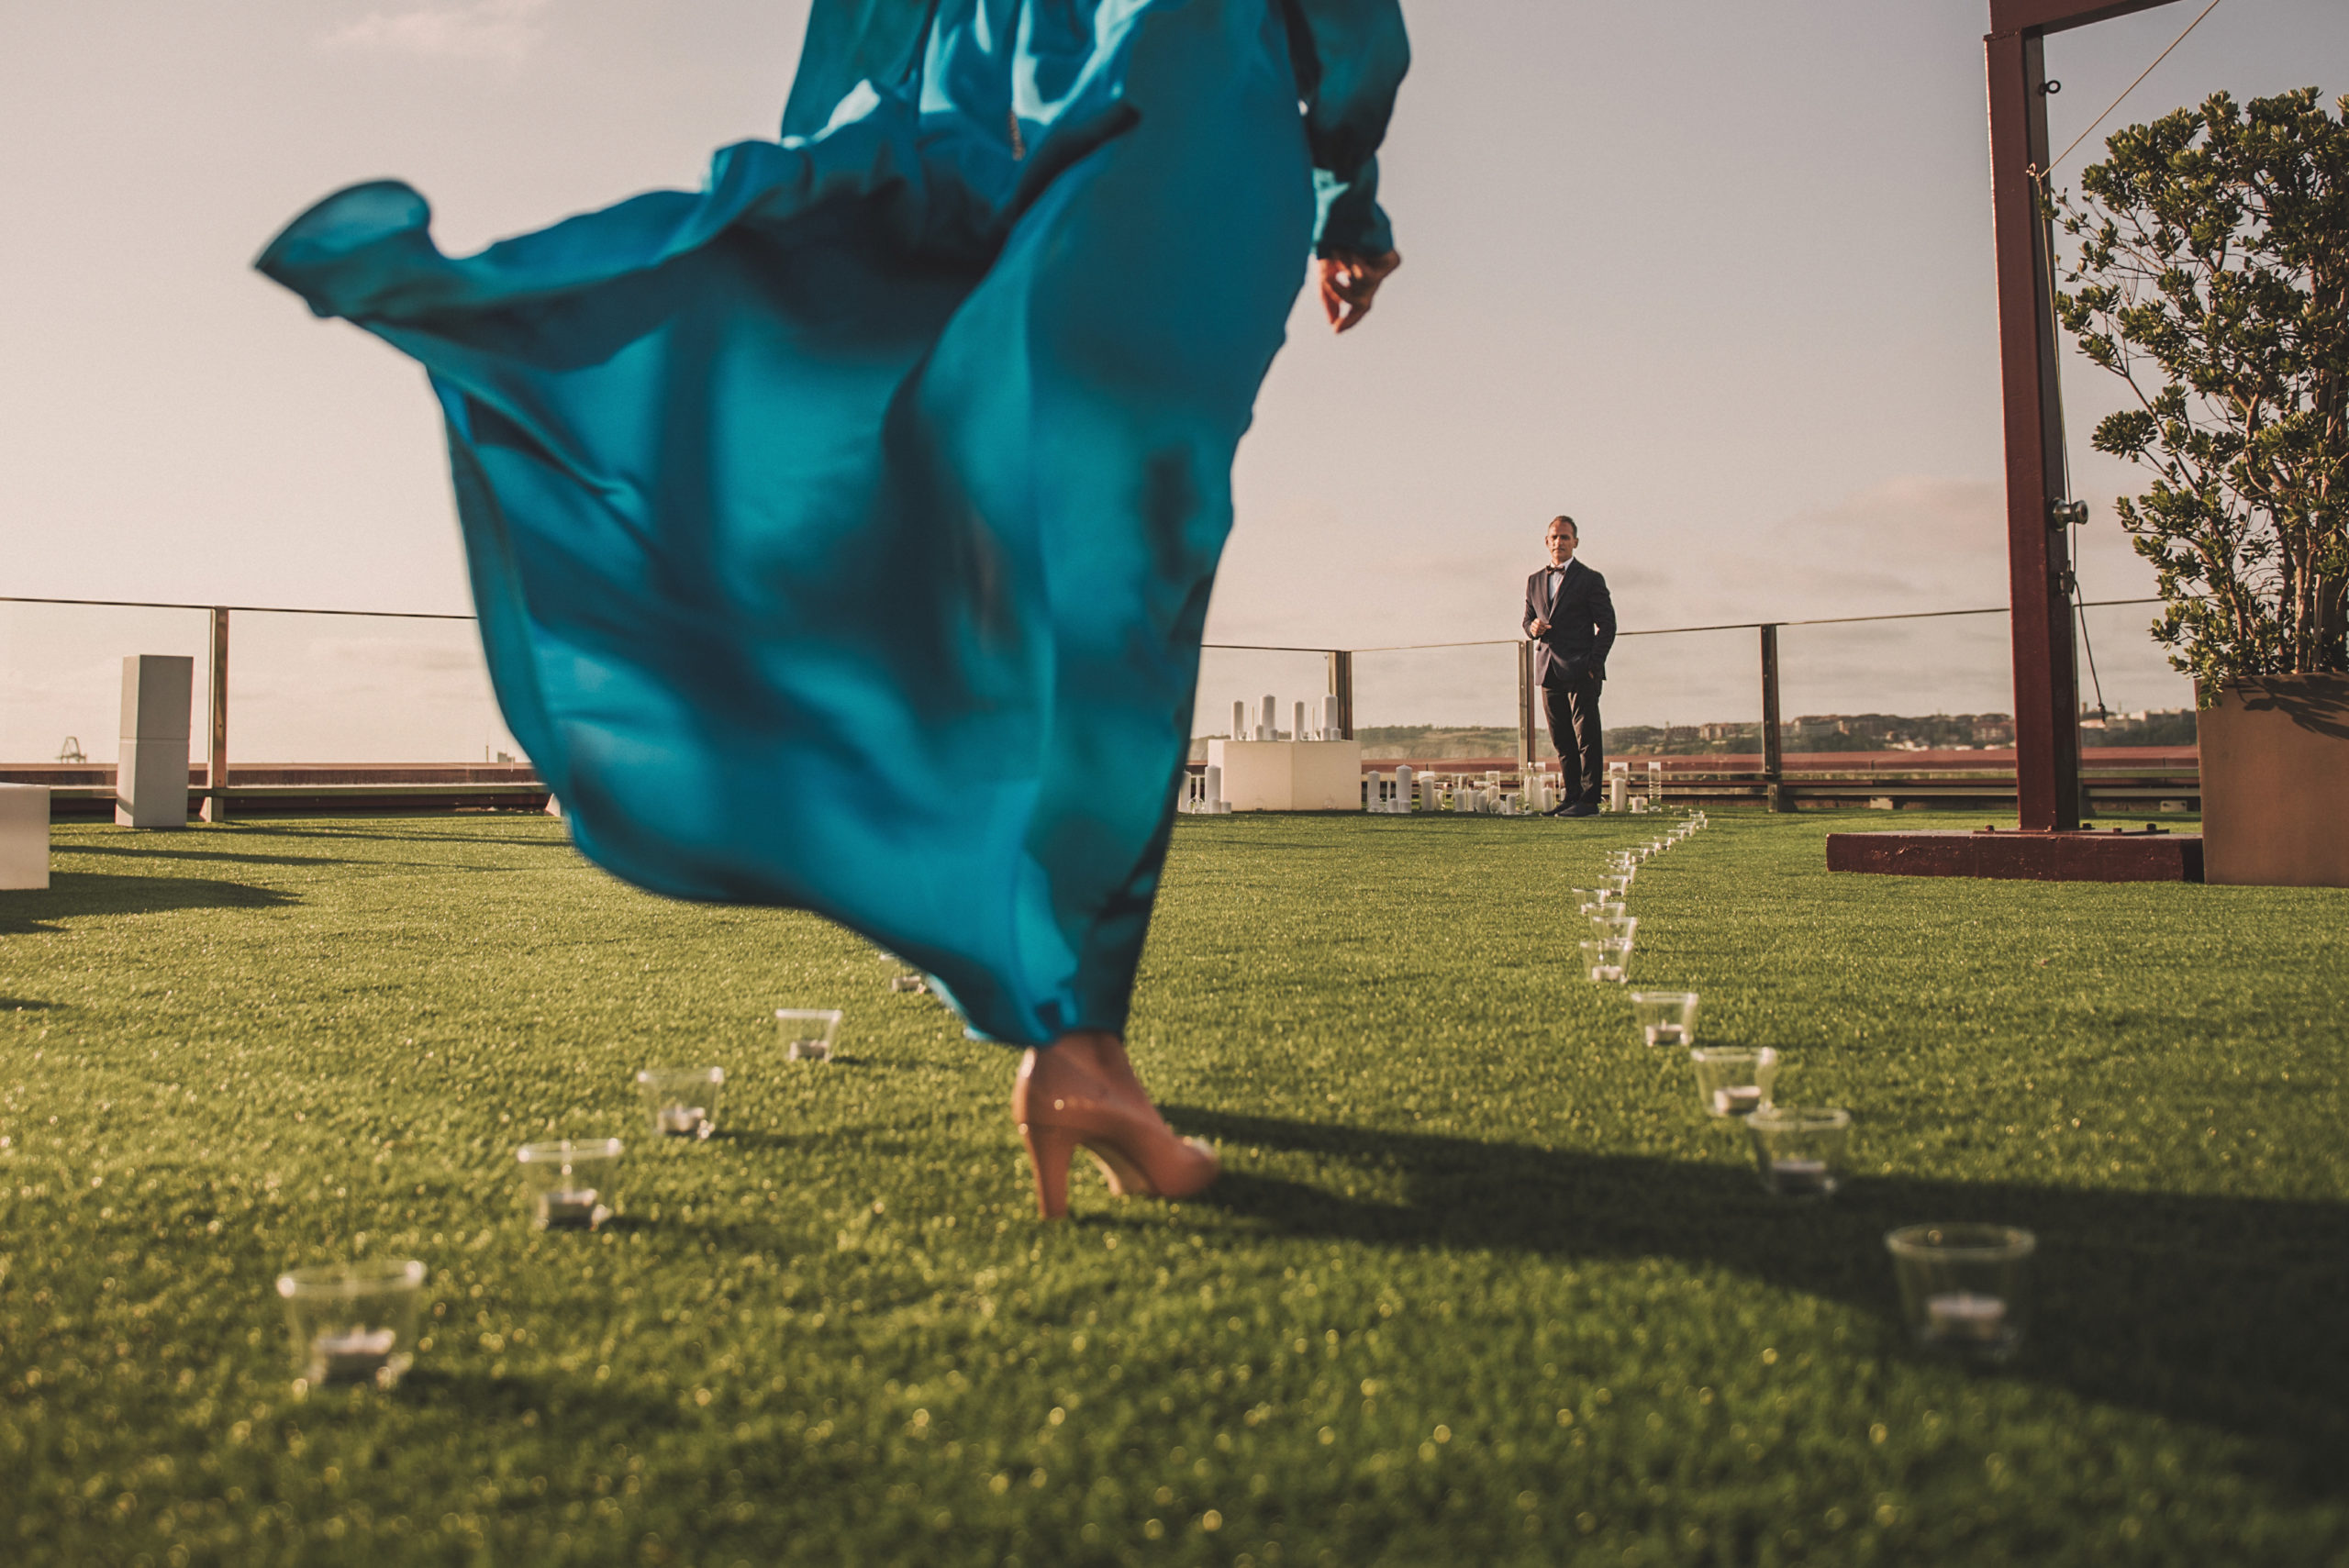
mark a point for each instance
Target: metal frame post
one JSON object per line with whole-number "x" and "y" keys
{"x": 1772, "y": 759}
{"x": 2038, "y": 570}
{"x": 215, "y": 771}
{"x": 1342, "y": 686}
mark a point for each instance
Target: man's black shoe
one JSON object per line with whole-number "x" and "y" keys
{"x": 1579, "y": 808}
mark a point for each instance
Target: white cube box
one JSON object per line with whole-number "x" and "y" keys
{"x": 24, "y": 837}
{"x": 1290, "y": 775}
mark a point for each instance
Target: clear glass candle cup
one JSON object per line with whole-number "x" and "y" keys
{"x": 1614, "y": 926}
{"x": 1595, "y": 901}
{"x": 1665, "y": 1017}
{"x": 1606, "y": 961}
{"x": 1798, "y": 1149}
{"x": 1733, "y": 1080}
{"x": 569, "y": 1185}
{"x": 352, "y": 1322}
{"x": 1620, "y": 885}
{"x": 1965, "y": 1288}
{"x": 682, "y": 1101}
{"x": 809, "y": 1034}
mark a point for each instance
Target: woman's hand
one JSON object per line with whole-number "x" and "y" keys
{"x": 1349, "y": 283}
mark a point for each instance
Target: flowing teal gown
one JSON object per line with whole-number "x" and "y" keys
{"x": 841, "y": 534}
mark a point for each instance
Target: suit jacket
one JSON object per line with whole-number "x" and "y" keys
{"x": 1582, "y": 626}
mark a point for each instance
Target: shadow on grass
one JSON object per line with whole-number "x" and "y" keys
{"x": 70, "y": 893}
{"x": 481, "y": 1399}
{"x": 145, "y": 853}
{"x": 281, "y": 830}
{"x": 2224, "y": 1311}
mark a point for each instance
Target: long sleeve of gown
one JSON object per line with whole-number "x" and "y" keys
{"x": 1349, "y": 56}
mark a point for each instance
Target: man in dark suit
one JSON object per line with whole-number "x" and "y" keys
{"x": 1572, "y": 623}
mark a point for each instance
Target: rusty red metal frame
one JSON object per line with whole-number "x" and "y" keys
{"x": 2047, "y": 734}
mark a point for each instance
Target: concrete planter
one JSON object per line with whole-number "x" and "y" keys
{"x": 2275, "y": 783}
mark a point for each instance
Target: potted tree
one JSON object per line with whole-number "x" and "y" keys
{"x": 2211, "y": 274}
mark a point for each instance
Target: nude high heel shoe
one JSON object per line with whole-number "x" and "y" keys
{"x": 1083, "y": 1094}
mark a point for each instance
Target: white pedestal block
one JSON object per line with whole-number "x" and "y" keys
{"x": 24, "y": 836}
{"x": 150, "y": 775}
{"x": 1290, "y": 775}
{"x": 150, "y": 784}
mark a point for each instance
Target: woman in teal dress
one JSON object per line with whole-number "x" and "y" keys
{"x": 841, "y": 534}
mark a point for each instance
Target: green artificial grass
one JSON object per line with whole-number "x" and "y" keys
{"x": 1480, "y": 1284}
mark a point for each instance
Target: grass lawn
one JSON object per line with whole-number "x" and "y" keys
{"x": 1480, "y": 1284}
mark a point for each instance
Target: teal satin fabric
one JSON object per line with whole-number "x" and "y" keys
{"x": 842, "y": 533}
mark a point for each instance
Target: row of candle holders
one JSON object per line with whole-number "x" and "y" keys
{"x": 356, "y": 1322}
{"x": 1962, "y": 1287}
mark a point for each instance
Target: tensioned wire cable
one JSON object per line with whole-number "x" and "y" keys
{"x": 2042, "y": 174}
{"x": 2039, "y": 176}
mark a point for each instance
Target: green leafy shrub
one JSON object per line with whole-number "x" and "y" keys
{"x": 2212, "y": 275}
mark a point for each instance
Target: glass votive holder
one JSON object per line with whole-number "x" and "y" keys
{"x": 1606, "y": 961}
{"x": 1733, "y": 1080}
{"x": 352, "y": 1322}
{"x": 1798, "y": 1149}
{"x": 682, "y": 1101}
{"x": 1614, "y": 926}
{"x": 1595, "y": 901}
{"x": 809, "y": 1034}
{"x": 567, "y": 1182}
{"x": 1666, "y": 1017}
{"x": 1619, "y": 884}
{"x": 1965, "y": 1288}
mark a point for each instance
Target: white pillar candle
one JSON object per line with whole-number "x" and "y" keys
{"x": 1214, "y": 787}
{"x": 682, "y": 1121}
{"x": 1403, "y": 784}
{"x": 356, "y": 1356}
{"x": 570, "y": 1208}
{"x": 1239, "y": 721}
{"x": 1330, "y": 717}
{"x": 1297, "y": 729}
{"x": 1965, "y": 1315}
{"x": 1798, "y": 1176}
{"x": 1272, "y": 713}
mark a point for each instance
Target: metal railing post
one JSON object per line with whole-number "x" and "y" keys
{"x": 1526, "y": 755}
{"x": 1772, "y": 759}
{"x": 1342, "y": 686}
{"x": 215, "y": 771}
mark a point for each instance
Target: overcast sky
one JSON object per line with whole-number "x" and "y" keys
{"x": 1712, "y": 275}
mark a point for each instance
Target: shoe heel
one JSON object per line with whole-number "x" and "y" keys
{"x": 1049, "y": 1148}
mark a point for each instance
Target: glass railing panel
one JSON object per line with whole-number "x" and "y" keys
{"x": 1249, "y": 676}
{"x": 61, "y": 676}
{"x": 1435, "y": 702}
{"x": 1684, "y": 694}
{"x": 307, "y": 687}
{"x": 1941, "y": 683}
